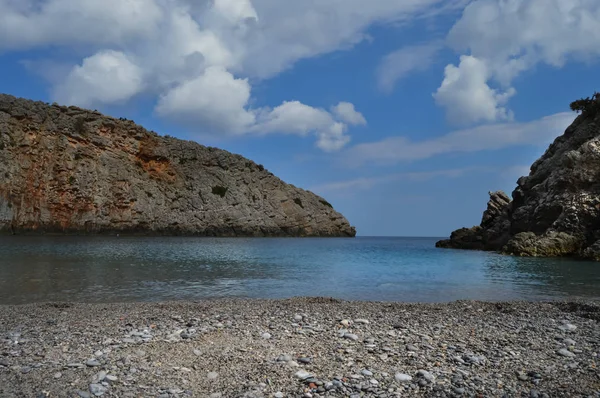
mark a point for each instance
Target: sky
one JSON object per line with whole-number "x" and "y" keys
{"x": 403, "y": 114}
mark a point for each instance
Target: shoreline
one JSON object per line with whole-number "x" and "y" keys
{"x": 300, "y": 347}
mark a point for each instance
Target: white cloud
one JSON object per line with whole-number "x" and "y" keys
{"x": 219, "y": 103}
{"x": 400, "y": 63}
{"x": 364, "y": 183}
{"x": 181, "y": 44}
{"x": 512, "y": 36}
{"x": 466, "y": 95}
{"x": 215, "y": 100}
{"x": 30, "y": 23}
{"x": 486, "y": 137}
{"x": 345, "y": 112}
{"x": 106, "y": 77}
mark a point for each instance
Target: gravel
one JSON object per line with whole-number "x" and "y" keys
{"x": 322, "y": 348}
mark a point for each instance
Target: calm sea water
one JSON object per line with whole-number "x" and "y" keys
{"x": 107, "y": 269}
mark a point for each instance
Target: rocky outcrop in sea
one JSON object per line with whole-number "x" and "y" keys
{"x": 555, "y": 211}
{"x": 72, "y": 170}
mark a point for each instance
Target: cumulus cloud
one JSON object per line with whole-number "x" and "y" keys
{"x": 105, "y": 77}
{"x": 345, "y": 112}
{"x": 401, "y": 63}
{"x": 174, "y": 49}
{"x": 485, "y": 137}
{"x": 215, "y": 100}
{"x": 466, "y": 95}
{"x": 509, "y": 37}
{"x": 30, "y": 23}
{"x": 219, "y": 102}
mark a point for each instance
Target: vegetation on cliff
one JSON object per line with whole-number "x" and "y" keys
{"x": 72, "y": 170}
{"x": 555, "y": 211}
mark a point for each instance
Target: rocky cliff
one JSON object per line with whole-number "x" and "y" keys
{"x": 555, "y": 211}
{"x": 71, "y": 170}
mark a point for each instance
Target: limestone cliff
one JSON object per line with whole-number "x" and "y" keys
{"x": 555, "y": 211}
{"x": 71, "y": 170}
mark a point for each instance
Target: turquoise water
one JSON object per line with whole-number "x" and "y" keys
{"x": 109, "y": 269}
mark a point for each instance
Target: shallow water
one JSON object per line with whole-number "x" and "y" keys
{"x": 109, "y": 269}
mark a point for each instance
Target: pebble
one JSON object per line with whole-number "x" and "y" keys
{"x": 303, "y": 375}
{"x": 350, "y": 336}
{"x": 57, "y": 375}
{"x": 305, "y": 360}
{"x": 565, "y": 353}
{"x": 402, "y": 377}
{"x": 567, "y": 327}
{"x": 100, "y": 376}
{"x": 98, "y": 389}
{"x": 366, "y": 372}
{"x": 362, "y": 321}
{"x": 298, "y": 317}
{"x": 212, "y": 375}
{"x": 93, "y": 362}
{"x": 278, "y": 394}
{"x": 569, "y": 342}
{"x": 266, "y": 336}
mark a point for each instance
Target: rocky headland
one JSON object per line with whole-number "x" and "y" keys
{"x": 555, "y": 211}
{"x": 300, "y": 348}
{"x": 71, "y": 170}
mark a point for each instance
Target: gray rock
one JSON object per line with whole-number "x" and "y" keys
{"x": 565, "y": 353}
{"x": 402, "y": 377}
{"x": 303, "y": 375}
{"x": 100, "y": 376}
{"x": 174, "y": 186}
{"x": 266, "y": 336}
{"x": 350, "y": 336}
{"x": 98, "y": 389}
{"x": 556, "y": 220}
{"x": 366, "y": 372}
{"x": 212, "y": 375}
{"x": 93, "y": 362}
{"x": 304, "y": 360}
{"x": 84, "y": 394}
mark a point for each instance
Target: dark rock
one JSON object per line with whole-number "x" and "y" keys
{"x": 555, "y": 210}
{"x": 71, "y": 170}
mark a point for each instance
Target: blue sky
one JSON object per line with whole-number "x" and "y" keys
{"x": 402, "y": 113}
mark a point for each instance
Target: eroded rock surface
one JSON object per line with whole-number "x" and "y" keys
{"x": 71, "y": 170}
{"x": 555, "y": 211}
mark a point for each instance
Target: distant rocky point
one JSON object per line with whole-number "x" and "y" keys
{"x": 71, "y": 170}
{"x": 555, "y": 211}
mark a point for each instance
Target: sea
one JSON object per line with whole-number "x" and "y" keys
{"x": 150, "y": 269}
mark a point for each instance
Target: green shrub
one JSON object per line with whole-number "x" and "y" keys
{"x": 219, "y": 190}
{"x": 80, "y": 125}
{"x": 326, "y": 203}
{"x": 587, "y": 106}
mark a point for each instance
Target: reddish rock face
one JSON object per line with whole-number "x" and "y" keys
{"x": 70, "y": 170}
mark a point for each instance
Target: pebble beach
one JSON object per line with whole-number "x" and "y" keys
{"x": 300, "y": 347}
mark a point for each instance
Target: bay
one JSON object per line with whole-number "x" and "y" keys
{"x": 124, "y": 269}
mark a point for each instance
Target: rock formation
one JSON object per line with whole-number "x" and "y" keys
{"x": 71, "y": 170}
{"x": 555, "y": 211}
